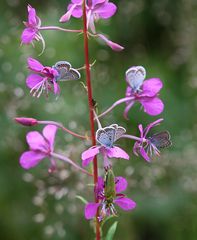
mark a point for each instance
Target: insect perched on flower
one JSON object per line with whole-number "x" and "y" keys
{"x": 106, "y": 137}
{"x": 143, "y": 91}
{"x": 149, "y": 146}
{"x": 65, "y": 71}
{"x": 108, "y": 192}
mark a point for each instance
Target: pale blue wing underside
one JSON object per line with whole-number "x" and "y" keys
{"x": 135, "y": 77}
{"x": 65, "y": 71}
{"x": 106, "y": 136}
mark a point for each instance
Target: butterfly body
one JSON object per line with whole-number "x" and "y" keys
{"x": 66, "y": 72}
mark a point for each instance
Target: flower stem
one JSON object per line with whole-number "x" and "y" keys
{"x": 133, "y": 137}
{"x": 60, "y": 29}
{"x": 59, "y": 125}
{"x": 122, "y": 100}
{"x": 90, "y": 103}
{"x": 68, "y": 160}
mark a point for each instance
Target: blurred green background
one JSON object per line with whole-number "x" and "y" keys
{"x": 159, "y": 35}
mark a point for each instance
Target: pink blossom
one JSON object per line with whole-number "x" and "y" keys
{"x": 31, "y": 32}
{"x": 145, "y": 92}
{"x": 43, "y": 81}
{"x": 107, "y": 208}
{"x": 96, "y": 9}
{"x": 41, "y": 146}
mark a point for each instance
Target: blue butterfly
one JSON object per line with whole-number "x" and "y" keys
{"x": 108, "y": 135}
{"x": 161, "y": 140}
{"x": 135, "y": 77}
{"x": 66, "y": 72}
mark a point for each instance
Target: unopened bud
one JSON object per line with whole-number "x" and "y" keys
{"x": 26, "y": 121}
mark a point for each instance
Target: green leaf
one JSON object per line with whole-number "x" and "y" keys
{"x": 82, "y": 199}
{"x": 111, "y": 231}
{"x": 106, "y": 219}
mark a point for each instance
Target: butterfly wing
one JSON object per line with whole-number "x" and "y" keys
{"x": 161, "y": 139}
{"x": 65, "y": 71}
{"x": 72, "y": 74}
{"x": 105, "y": 136}
{"x": 119, "y": 132}
{"x": 135, "y": 77}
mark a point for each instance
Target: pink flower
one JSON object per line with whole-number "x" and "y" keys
{"x": 41, "y": 146}
{"x": 96, "y": 9}
{"x": 44, "y": 81}
{"x": 107, "y": 206}
{"x": 149, "y": 146}
{"x": 31, "y": 32}
{"x": 106, "y": 137}
{"x": 145, "y": 92}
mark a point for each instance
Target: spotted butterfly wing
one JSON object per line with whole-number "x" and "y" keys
{"x": 135, "y": 77}
{"x": 119, "y": 131}
{"x": 161, "y": 139}
{"x": 65, "y": 71}
{"x": 105, "y": 136}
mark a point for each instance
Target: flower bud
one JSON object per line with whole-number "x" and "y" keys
{"x": 26, "y": 121}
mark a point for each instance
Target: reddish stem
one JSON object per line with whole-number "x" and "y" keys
{"x": 91, "y": 113}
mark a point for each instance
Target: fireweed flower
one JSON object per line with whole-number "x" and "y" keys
{"x": 41, "y": 146}
{"x": 145, "y": 92}
{"x": 31, "y": 32}
{"x": 44, "y": 81}
{"x": 106, "y": 138}
{"x": 149, "y": 146}
{"x": 96, "y": 9}
{"x": 108, "y": 195}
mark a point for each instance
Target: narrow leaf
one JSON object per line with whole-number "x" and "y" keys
{"x": 111, "y": 231}
{"x": 82, "y": 199}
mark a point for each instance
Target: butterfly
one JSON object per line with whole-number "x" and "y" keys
{"x": 161, "y": 140}
{"x": 135, "y": 77}
{"x": 108, "y": 135}
{"x": 66, "y": 72}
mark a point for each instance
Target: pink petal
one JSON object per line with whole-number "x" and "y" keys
{"x": 151, "y": 87}
{"x": 28, "y": 35}
{"x": 125, "y": 203}
{"x": 151, "y": 125}
{"x": 121, "y": 184}
{"x": 34, "y": 65}
{"x": 144, "y": 154}
{"x": 31, "y": 16}
{"x": 88, "y": 155}
{"x": 31, "y": 159}
{"x": 56, "y": 88}
{"x": 106, "y": 10}
{"x": 95, "y": 2}
{"x": 49, "y": 133}
{"x": 117, "y": 152}
{"x": 114, "y": 46}
{"x": 36, "y": 142}
{"x": 90, "y": 210}
{"x": 32, "y": 80}
{"x": 140, "y": 127}
{"x": 152, "y": 106}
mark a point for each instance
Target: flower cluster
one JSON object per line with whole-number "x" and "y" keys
{"x": 45, "y": 79}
